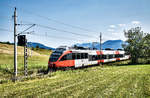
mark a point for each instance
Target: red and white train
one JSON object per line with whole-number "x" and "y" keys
{"x": 63, "y": 57}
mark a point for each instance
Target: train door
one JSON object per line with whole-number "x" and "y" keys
{"x": 78, "y": 60}
{"x": 81, "y": 59}
{"x": 105, "y": 58}
{"x": 110, "y": 58}
{"x": 84, "y": 59}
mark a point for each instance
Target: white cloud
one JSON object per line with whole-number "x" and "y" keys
{"x": 110, "y": 30}
{"x": 136, "y": 22}
{"x": 114, "y": 32}
{"x": 112, "y": 26}
{"x": 121, "y": 25}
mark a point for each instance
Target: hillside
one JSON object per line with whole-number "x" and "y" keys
{"x": 35, "y": 44}
{"x": 37, "y": 59}
{"x": 9, "y": 49}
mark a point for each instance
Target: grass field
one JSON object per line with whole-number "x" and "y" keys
{"x": 118, "y": 81}
{"x": 38, "y": 60}
{"x": 114, "y": 81}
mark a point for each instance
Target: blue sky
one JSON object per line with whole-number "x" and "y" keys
{"x": 110, "y": 17}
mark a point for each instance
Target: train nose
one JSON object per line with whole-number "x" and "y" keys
{"x": 51, "y": 65}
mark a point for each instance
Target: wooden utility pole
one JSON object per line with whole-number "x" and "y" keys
{"x": 15, "y": 43}
{"x": 92, "y": 45}
{"x": 100, "y": 41}
{"x": 100, "y": 46}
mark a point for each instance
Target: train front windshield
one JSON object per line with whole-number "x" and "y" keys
{"x": 54, "y": 58}
{"x": 56, "y": 54}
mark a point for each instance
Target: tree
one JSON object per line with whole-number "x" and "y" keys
{"x": 32, "y": 48}
{"x": 146, "y": 47}
{"x": 7, "y": 42}
{"x": 134, "y": 43}
{"x": 37, "y": 47}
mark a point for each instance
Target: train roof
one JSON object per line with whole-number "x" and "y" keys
{"x": 83, "y": 50}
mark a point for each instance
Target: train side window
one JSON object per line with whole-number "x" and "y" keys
{"x": 104, "y": 56}
{"x": 93, "y": 57}
{"x": 100, "y": 57}
{"x": 78, "y": 55}
{"x": 113, "y": 55}
{"x": 96, "y": 57}
{"x": 82, "y": 56}
{"x": 86, "y": 55}
{"x": 116, "y": 56}
{"x": 90, "y": 57}
{"x": 69, "y": 56}
{"x": 73, "y": 56}
{"x": 119, "y": 55}
{"x": 63, "y": 58}
{"x": 110, "y": 56}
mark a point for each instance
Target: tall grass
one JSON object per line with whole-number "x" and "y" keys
{"x": 104, "y": 82}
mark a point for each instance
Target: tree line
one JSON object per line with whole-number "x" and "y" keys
{"x": 137, "y": 45}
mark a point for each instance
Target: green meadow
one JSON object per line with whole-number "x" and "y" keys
{"x": 116, "y": 80}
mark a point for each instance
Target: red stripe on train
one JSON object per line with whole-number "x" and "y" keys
{"x": 117, "y": 59}
{"x": 66, "y": 63}
{"x": 100, "y": 61}
{"x": 117, "y": 52}
{"x": 99, "y": 52}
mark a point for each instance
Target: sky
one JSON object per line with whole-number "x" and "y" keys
{"x": 66, "y": 22}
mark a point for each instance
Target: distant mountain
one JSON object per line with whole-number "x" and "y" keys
{"x": 113, "y": 44}
{"x": 34, "y": 44}
{"x": 89, "y": 45}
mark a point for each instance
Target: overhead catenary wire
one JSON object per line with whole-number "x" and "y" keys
{"x": 57, "y": 21}
{"x": 56, "y": 37}
{"x": 7, "y": 30}
{"x": 53, "y": 20}
{"x": 43, "y": 35}
{"x": 51, "y": 36}
{"x": 3, "y": 29}
{"x": 60, "y": 30}
{"x": 48, "y": 36}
